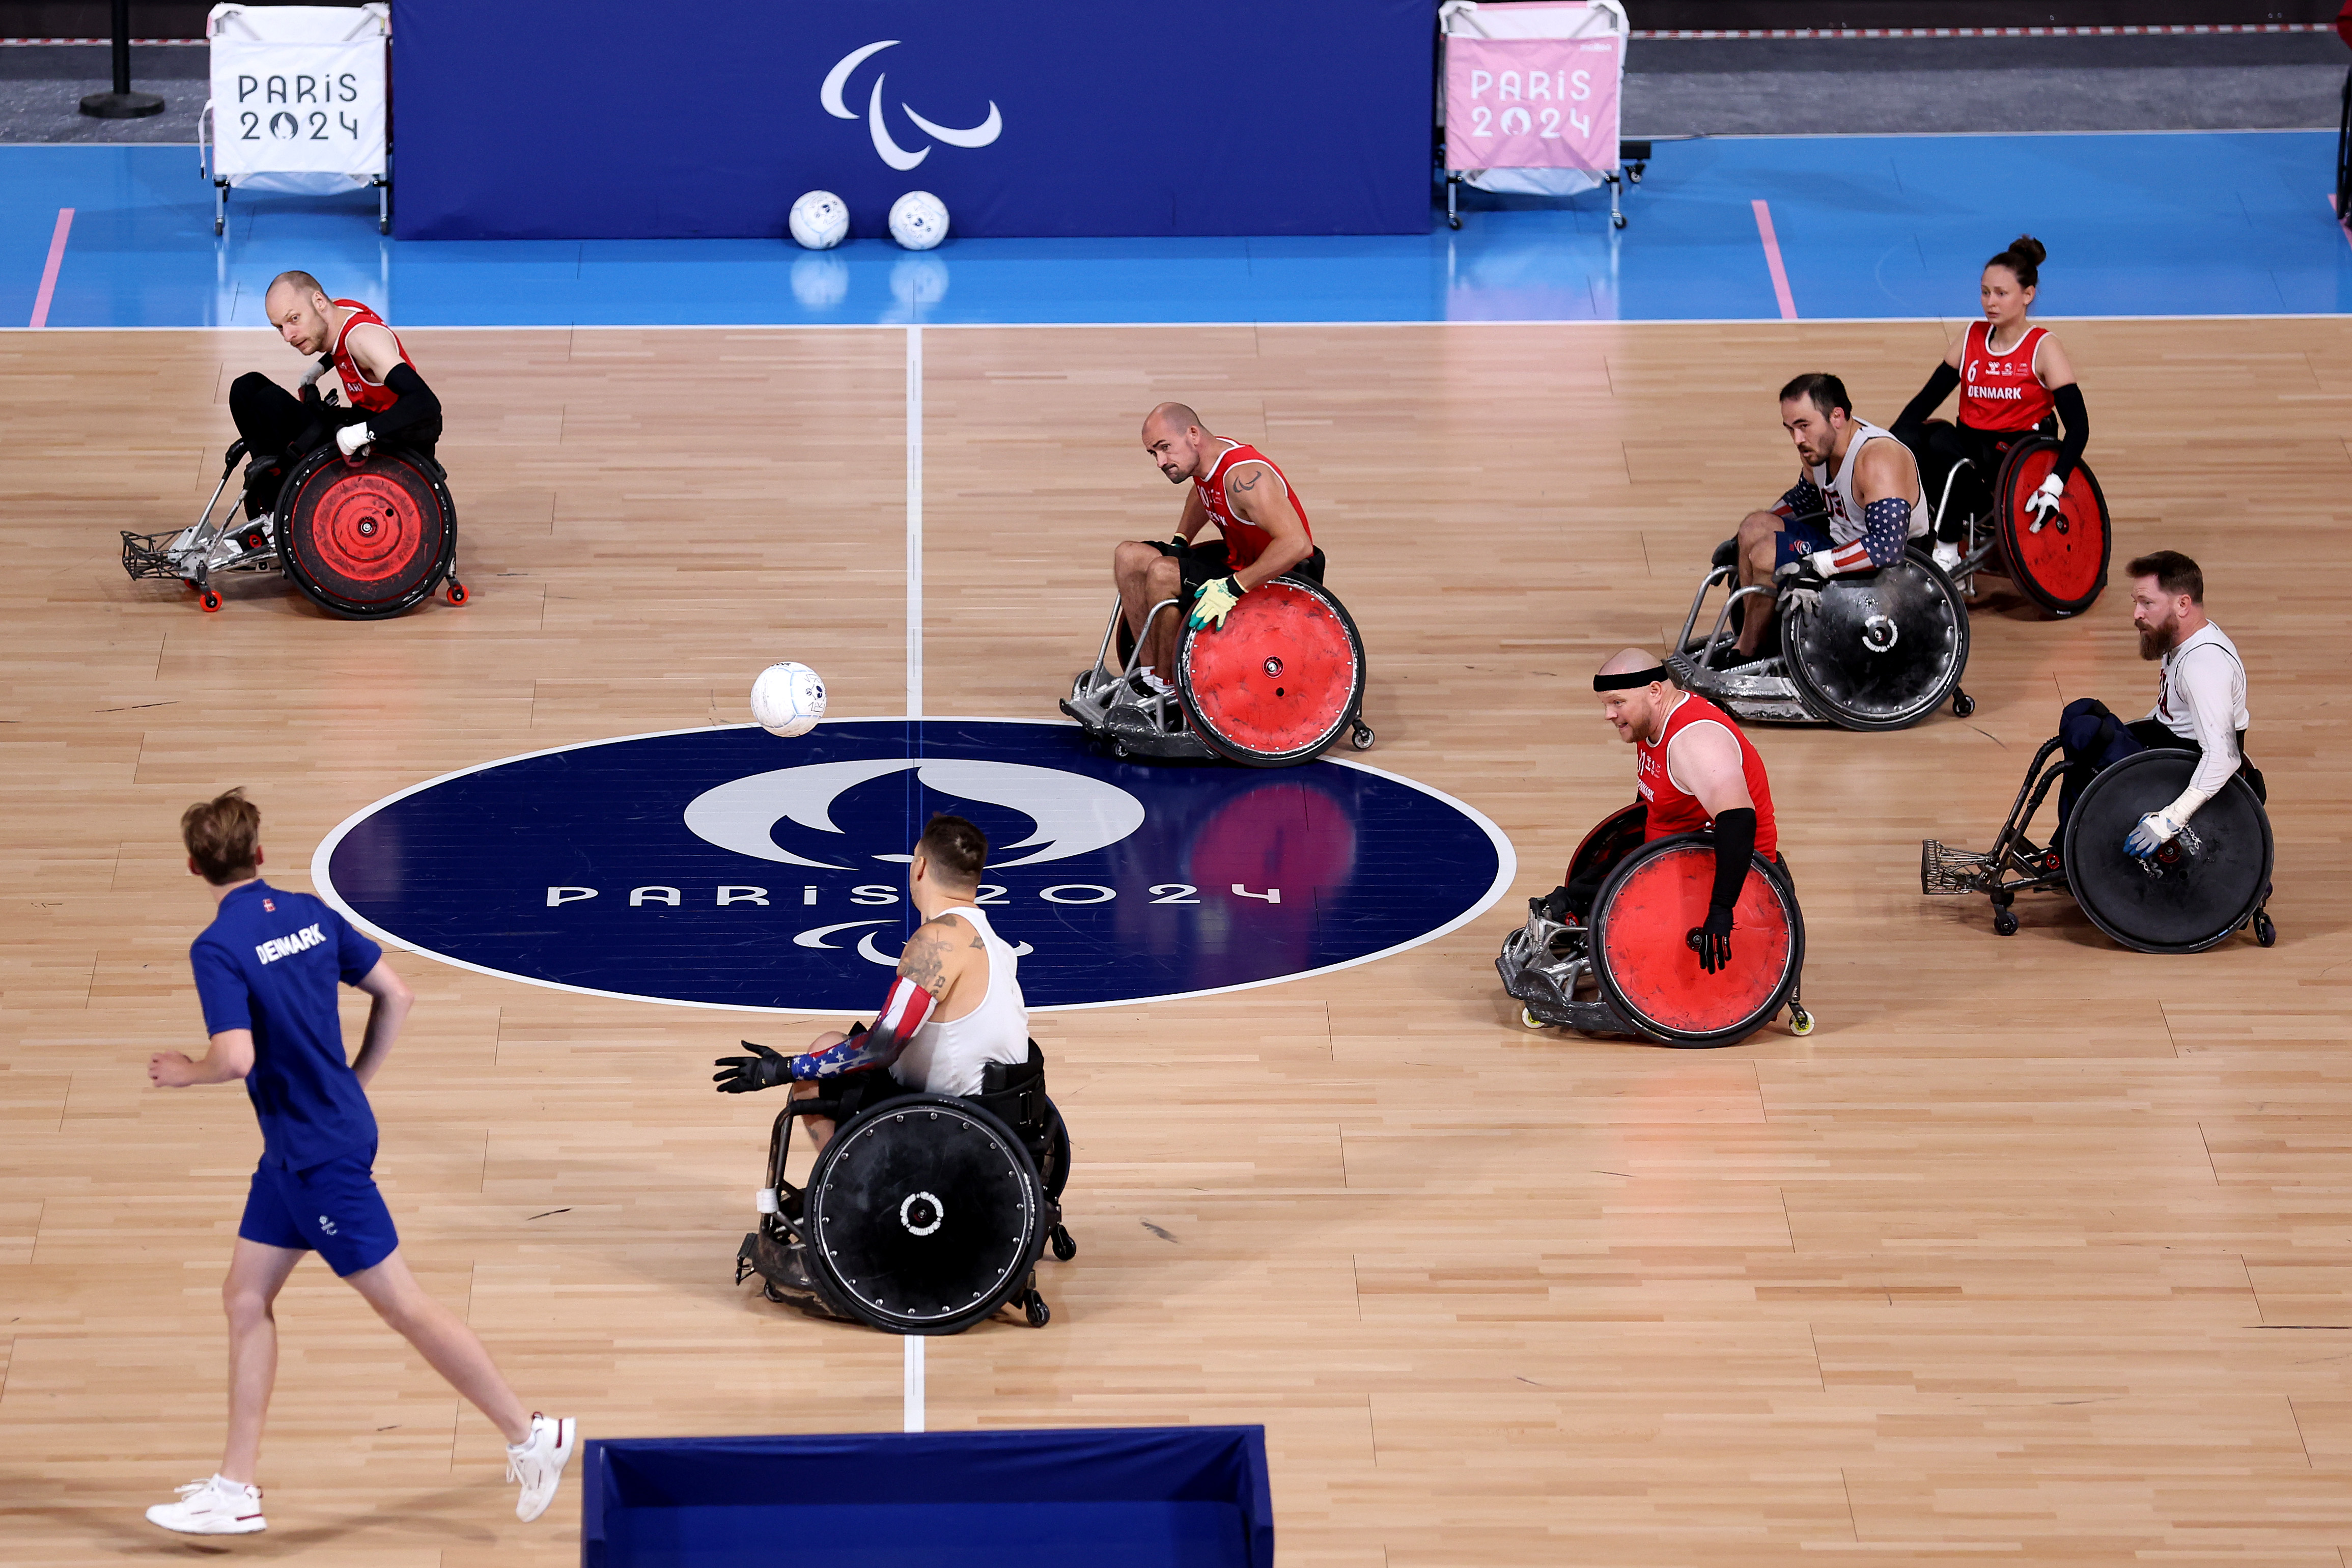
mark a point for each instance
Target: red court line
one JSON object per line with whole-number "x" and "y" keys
{"x": 50, "y": 273}
{"x": 1772, "y": 260}
{"x": 2151, "y": 30}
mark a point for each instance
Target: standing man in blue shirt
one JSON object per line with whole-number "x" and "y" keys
{"x": 266, "y": 970}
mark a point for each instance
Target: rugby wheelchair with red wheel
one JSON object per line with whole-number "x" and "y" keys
{"x": 1629, "y": 969}
{"x": 2060, "y": 560}
{"x": 1877, "y": 650}
{"x": 362, "y": 537}
{"x": 2210, "y": 881}
{"x": 1277, "y": 685}
{"x": 925, "y": 1213}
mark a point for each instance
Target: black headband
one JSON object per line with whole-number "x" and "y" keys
{"x": 1631, "y": 678}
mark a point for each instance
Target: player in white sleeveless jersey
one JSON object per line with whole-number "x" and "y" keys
{"x": 2201, "y": 705}
{"x": 955, "y": 1007}
{"x": 1857, "y": 500}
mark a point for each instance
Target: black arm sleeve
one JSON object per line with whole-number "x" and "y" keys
{"x": 2075, "y": 421}
{"x": 1735, "y": 844}
{"x": 1920, "y": 409}
{"x": 417, "y": 414}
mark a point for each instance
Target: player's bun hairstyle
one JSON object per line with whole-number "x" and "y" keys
{"x": 1827, "y": 391}
{"x": 221, "y": 834}
{"x": 2024, "y": 257}
{"x": 958, "y": 848}
{"x": 2174, "y": 573}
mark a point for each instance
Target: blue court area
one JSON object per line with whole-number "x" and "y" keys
{"x": 2190, "y": 224}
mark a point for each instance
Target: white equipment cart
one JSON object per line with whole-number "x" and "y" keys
{"x": 298, "y": 102}
{"x": 1529, "y": 100}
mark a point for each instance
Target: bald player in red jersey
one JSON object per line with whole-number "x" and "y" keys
{"x": 1695, "y": 770}
{"x": 380, "y": 396}
{"x": 1262, "y": 532}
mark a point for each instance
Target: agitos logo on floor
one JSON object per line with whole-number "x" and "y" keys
{"x": 723, "y": 868}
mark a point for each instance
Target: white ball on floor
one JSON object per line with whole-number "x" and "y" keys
{"x": 788, "y": 699}
{"x": 919, "y": 220}
{"x": 819, "y": 220}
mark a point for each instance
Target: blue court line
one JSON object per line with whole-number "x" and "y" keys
{"x": 2192, "y": 224}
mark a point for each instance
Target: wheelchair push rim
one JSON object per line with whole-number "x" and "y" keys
{"x": 368, "y": 539}
{"x": 2197, "y": 889}
{"x": 2061, "y": 568}
{"x": 1279, "y": 682}
{"x": 1648, "y": 972}
{"x": 1882, "y": 649}
{"x": 925, "y": 1214}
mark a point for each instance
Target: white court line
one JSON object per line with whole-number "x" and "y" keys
{"x": 914, "y": 530}
{"x": 914, "y": 1381}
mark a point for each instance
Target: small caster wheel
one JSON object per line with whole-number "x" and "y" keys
{"x": 1362, "y": 738}
{"x": 1528, "y": 1020}
{"x": 1065, "y": 1246}
{"x": 1616, "y": 220}
{"x": 383, "y": 226}
{"x": 2004, "y": 923}
{"x": 217, "y": 227}
{"x": 1119, "y": 749}
{"x": 1800, "y": 1021}
{"x": 1453, "y": 222}
{"x": 457, "y": 595}
{"x": 2265, "y": 934}
{"x": 1962, "y": 703}
{"x": 211, "y": 602}
{"x": 769, "y": 1289}
{"x": 1039, "y": 1313}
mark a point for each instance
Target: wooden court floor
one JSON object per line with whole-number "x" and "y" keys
{"x": 2036, "y": 1252}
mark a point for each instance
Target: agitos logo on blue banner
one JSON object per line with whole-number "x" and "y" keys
{"x": 723, "y": 868}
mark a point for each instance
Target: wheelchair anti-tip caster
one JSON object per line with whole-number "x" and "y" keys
{"x": 1528, "y": 1020}
{"x": 1039, "y": 1313}
{"x": 1454, "y": 221}
{"x": 211, "y": 602}
{"x": 1361, "y": 739}
{"x": 1065, "y": 1246}
{"x": 769, "y": 1289}
{"x": 1616, "y": 220}
{"x": 1962, "y": 703}
{"x": 1800, "y": 1021}
{"x": 2004, "y": 923}
{"x": 2265, "y": 934}
{"x": 457, "y": 595}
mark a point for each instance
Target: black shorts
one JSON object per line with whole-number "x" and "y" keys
{"x": 845, "y": 1096}
{"x": 1203, "y": 562}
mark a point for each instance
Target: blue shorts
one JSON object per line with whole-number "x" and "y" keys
{"x": 1799, "y": 537}
{"x": 332, "y": 1210}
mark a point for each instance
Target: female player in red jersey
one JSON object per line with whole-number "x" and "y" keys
{"x": 2012, "y": 376}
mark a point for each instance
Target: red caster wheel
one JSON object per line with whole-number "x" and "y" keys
{"x": 211, "y": 602}
{"x": 457, "y": 595}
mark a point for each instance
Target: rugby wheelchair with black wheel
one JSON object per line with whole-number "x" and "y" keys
{"x": 1878, "y": 650}
{"x": 2211, "y": 880}
{"x": 1629, "y": 969}
{"x": 2059, "y": 561}
{"x": 1277, "y": 685}
{"x": 362, "y": 537}
{"x": 925, "y": 1213}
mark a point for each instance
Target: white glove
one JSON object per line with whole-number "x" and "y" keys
{"x": 1796, "y": 590}
{"x": 2156, "y": 830}
{"x": 352, "y": 437}
{"x": 1824, "y": 562}
{"x": 311, "y": 375}
{"x": 2043, "y": 503}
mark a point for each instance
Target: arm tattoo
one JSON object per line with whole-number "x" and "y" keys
{"x": 925, "y": 960}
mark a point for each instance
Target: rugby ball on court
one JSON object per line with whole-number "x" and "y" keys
{"x": 819, "y": 220}
{"x": 919, "y": 220}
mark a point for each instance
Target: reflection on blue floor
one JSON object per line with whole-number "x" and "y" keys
{"x": 2188, "y": 224}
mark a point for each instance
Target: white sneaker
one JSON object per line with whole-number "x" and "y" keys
{"x": 1946, "y": 554}
{"x": 213, "y": 1506}
{"x": 538, "y": 1463}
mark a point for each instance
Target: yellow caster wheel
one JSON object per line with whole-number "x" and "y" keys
{"x": 1528, "y": 1020}
{"x": 1800, "y": 1021}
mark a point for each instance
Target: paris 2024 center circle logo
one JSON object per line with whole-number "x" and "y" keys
{"x": 722, "y": 867}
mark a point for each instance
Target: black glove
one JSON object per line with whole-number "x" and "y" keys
{"x": 1712, "y": 941}
{"x": 748, "y": 1075}
{"x": 1180, "y": 541}
{"x": 1554, "y": 906}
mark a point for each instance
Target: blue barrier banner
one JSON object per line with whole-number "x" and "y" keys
{"x": 704, "y": 119}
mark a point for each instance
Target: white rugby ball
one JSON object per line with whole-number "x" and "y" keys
{"x": 919, "y": 220}
{"x": 788, "y": 699}
{"x": 819, "y": 220}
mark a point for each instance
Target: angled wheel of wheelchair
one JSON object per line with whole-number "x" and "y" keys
{"x": 1882, "y": 649}
{"x": 1279, "y": 682}
{"x": 2063, "y": 566}
{"x": 1611, "y": 837}
{"x": 2197, "y": 889}
{"x": 368, "y": 539}
{"x": 925, "y": 1214}
{"x": 1648, "y": 972}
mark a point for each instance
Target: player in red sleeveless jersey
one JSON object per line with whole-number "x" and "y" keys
{"x": 1262, "y": 532}
{"x": 2011, "y": 375}
{"x": 1695, "y": 770}
{"x": 380, "y": 396}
